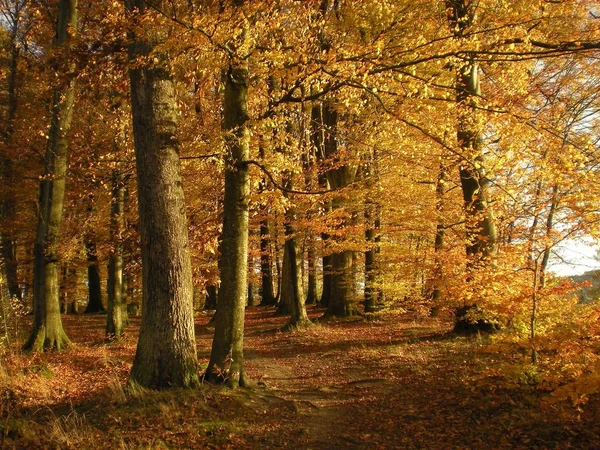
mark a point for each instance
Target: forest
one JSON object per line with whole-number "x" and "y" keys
{"x": 298, "y": 224}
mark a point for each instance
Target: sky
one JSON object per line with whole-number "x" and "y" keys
{"x": 574, "y": 257}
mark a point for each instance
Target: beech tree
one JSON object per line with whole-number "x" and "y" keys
{"x": 227, "y": 356}
{"x": 14, "y": 14}
{"x": 47, "y": 332}
{"x": 166, "y": 350}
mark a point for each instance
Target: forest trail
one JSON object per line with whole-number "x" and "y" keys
{"x": 396, "y": 383}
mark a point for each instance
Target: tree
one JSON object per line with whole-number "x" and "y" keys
{"x": 166, "y": 350}
{"x": 47, "y": 332}
{"x": 14, "y": 13}
{"x": 226, "y": 363}
{"x": 117, "y": 309}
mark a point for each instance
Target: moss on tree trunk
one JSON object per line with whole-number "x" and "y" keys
{"x": 47, "y": 332}
{"x": 226, "y": 363}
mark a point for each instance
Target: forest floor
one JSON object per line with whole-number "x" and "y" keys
{"x": 397, "y": 382}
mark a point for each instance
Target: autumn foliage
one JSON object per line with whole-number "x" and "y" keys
{"x": 380, "y": 176}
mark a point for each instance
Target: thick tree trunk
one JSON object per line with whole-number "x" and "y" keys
{"x": 227, "y": 356}
{"x": 166, "y": 350}
{"x": 47, "y": 332}
{"x": 117, "y": 309}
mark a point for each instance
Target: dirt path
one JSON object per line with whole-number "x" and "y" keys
{"x": 405, "y": 384}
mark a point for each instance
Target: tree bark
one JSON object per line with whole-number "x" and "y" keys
{"x": 292, "y": 285}
{"x": 226, "y": 363}
{"x": 339, "y": 282}
{"x": 94, "y": 287}
{"x": 117, "y": 309}
{"x": 286, "y": 294}
{"x": 47, "y": 332}
{"x": 311, "y": 290}
{"x": 166, "y": 350}
{"x": 266, "y": 267}
{"x": 211, "y": 297}
{"x": 8, "y": 240}
{"x": 480, "y": 226}
{"x": 481, "y": 229}
{"x": 440, "y": 234}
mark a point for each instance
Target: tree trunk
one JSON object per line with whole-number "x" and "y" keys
{"x": 370, "y": 268}
{"x": 286, "y": 294}
{"x": 166, "y": 350}
{"x": 292, "y": 284}
{"x": 299, "y": 318}
{"x": 94, "y": 287}
{"x": 342, "y": 282}
{"x": 480, "y": 226}
{"x": 117, "y": 308}
{"x": 47, "y": 332}
{"x": 373, "y": 294}
{"x": 440, "y": 233}
{"x": 68, "y": 298}
{"x": 227, "y": 356}
{"x": 266, "y": 268}
{"x": 311, "y": 292}
{"x": 8, "y": 241}
{"x": 481, "y": 230}
{"x": 211, "y": 297}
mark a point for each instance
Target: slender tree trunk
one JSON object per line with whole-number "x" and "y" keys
{"x": 226, "y": 363}
{"x": 480, "y": 225}
{"x": 311, "y": 292}
{"x": 370, "y": 265}
{"x": 47, "y": 332}
{"x": 286, "y": 294}
{"x": 373, "y": 291}
{"x": 166, "y": 350}
{"x": 117, "y": 309}
{"x": 440, "y": 233}
{"x": 8, "y": 241}
{"x": 211, "y": 297}
{"x": 68, "y": 303}
{"x": 539, "y": 274}
{"x": 266, "y": 268}
{"x": 342, "y": 281}
{"x": 298, "y": 318}
{"x": 481, "y": 230}
{"x": 94, "y": 287}
{"x": 278, "y": 263}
